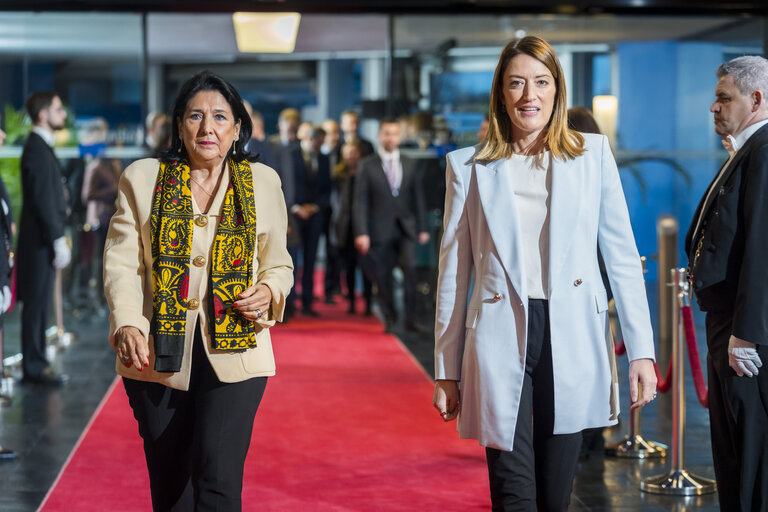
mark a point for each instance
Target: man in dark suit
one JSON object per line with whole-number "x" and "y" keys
{"x": 350, "y": 126}
{"x": 289, "y": 163}
{"x": 310, "y": 210}
{"x": 389, "y": 218}
{"x": 42, "y": 244}
{"x": 258, "y": 143}
{"x": 727, "y": 245}
{"x": 333, "y": 259}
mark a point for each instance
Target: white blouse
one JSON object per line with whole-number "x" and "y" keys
{"x": 533, "y": 192}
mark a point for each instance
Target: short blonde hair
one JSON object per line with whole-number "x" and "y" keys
{"x": 564, "y": 143}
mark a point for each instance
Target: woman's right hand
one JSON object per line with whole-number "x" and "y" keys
{"x": 131, "y": 347}
{"x": 446, "y": 399}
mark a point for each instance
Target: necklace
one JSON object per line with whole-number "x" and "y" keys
{"x": 201, "y": 186}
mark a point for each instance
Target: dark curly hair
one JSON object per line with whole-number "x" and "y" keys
{"x": 208, "y": 81}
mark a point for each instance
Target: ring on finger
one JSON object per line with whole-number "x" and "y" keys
{"x": 125, "y": 358}
{"x": 259, "y": 314}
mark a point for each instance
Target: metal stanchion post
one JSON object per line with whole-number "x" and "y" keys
{"x": 667, "y": 229}
{"x": 678, "y": 481}
{"x": 634, "y": 445}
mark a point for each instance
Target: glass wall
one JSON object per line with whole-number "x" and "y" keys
{"x": 659, "y": 70}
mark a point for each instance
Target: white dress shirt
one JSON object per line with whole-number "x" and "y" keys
{"x": 392, "y": 159}
{"x": 533, "y": 192}
{"x": 732, "y": 145}
{"x": 47, "y": 135}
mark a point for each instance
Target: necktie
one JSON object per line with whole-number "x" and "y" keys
{"x": 391, "y": 177}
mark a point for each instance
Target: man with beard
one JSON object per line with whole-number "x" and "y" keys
{"x": 42, "y": 244}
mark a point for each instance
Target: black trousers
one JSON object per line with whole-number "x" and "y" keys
{"x": 399, "y": 251}
{"x": 195, "y": 441}
{"x": 351, "y": 259}
{"x": 310, "y": 230}
{"x": 538, "y": 473}
{"x": 35, "y": 312}
{"x": 738, "y": 417}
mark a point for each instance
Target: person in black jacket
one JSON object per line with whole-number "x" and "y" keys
{"x": 313, "y": 200}
{"x": 342, "y": 225}
{"x": 727, "y": 246}
{"x": 389, "y": 218}
{"x": 7, "y": 228}
{"x": 42, "y": 244}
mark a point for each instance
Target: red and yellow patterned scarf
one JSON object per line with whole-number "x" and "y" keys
{"x": 231, "y": 269}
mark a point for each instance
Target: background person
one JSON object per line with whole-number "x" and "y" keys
{"x": 332, "y": 145}
{"x": 341, "y": 224}
{"x": 350, "y": 126}
{"x": 290, "y": 167}
{"x": 531, "y": 345}
{"x": 196, "y": 271}
{"x": 42, "y": 245}
{"x": 258, "y": 145}
{"x": 312, "y": 210}
{"x": 726, "y": 247}
{"x": 389, "y": 219}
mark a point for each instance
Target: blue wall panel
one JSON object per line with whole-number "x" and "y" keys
{"x": 665, "y": 92}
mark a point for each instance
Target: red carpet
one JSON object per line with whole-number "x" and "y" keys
{"x": 346, "y": 425}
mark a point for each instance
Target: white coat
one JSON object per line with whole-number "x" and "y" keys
{"x": 481, "y": 339}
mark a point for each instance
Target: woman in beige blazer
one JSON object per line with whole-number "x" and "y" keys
{"x": 195, "y": 272}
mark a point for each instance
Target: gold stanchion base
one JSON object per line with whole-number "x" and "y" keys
{"x": 637, "y": 447}
{"x": 678, "y": 483}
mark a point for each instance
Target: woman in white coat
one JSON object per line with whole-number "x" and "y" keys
{"x": 527, "y": 341}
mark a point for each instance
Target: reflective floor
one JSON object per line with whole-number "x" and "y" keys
{"x": 43, "y": 425}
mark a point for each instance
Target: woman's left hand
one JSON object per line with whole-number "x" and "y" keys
{"x": 254, "y": 302}
{"x": 641, "y": 371}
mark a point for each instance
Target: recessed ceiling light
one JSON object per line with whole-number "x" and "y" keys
{"x": 273, "y": 32}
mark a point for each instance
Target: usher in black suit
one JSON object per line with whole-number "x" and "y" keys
{"x": 393, "y": 223}
{"x": 43, "y": 215}
{"x": 728, "y": 261}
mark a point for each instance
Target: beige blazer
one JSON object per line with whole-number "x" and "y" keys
{"x": 128, "y": 273}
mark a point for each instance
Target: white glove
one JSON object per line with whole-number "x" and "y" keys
{"x": 62, "y": 254}
{"x": 742, "y": 357}
{"x": 5, "y": 299}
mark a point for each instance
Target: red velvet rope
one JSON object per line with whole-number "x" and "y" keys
{"x": 663, "y": 383}
{"x": 693, "y": 356}
{"x": 619, "y": 349}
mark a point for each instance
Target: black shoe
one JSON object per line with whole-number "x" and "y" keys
{"x": 351, "y": 309}
{"x": 309, "y": 312}
{"x": 329, "y": 299}
{"x": 389, "y": 326}
{"x": 47, "y": 378}
{"x": 415, "y": 327}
